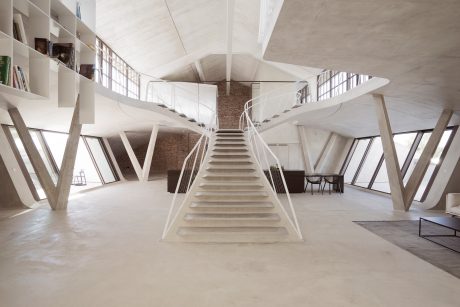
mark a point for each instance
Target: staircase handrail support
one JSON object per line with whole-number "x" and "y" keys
{"x": 201, "y": 143}
{"x": 253, "y": 137}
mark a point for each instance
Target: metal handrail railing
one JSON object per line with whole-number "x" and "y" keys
{"x": 190, "y": 167}
{"x": 278, "y": 183}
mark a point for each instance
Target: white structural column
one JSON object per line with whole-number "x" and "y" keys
{"x": 68, "y": 161}
{"x": 389, "y": 151}
{"x": 422, "y": 165}
{"x": 57, "y": 195}
{"x": 112, "y": 158}
{"x": 141, "y": 172}
{"x": 309, "y": 168}
{"x": 34, "y": 156}
{"x": 228, "y": 75}
{"x": 325, "y": 154}
{"x": 200, "y": 71}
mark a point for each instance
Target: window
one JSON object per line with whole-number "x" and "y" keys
{"x": 333, "y": 83}
{"x": 92, "y": 165}
{"x": 304, "y": 95}
{"x": 367, "y": 165}
{"x": 371, "y": 162}
{"x": 114, "y": 73}
{"x": 403, "y": 144}
{"x": 356, "y": 159}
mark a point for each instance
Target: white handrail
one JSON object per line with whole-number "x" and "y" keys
{"x": 255, "y": 137}
{"x": 200, "y": 144}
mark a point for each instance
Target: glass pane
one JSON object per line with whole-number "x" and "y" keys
{"x": 370, "y": 164}
{"x": 85, "y": 173}
{"x": 433, "y": 163}
{"x": 355, "y": 160}
{"x": 41, "y": 150}
{"x": 418, "y": 153}
{"x": 101, "y": 159}
{"x": 28, "y": 164}
{"x": 56, "y": 143}
{"x": 403, "y": 144}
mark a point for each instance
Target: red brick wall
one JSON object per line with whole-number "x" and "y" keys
{"x": 169, "y": 154}
{"x": 229, "y": 108}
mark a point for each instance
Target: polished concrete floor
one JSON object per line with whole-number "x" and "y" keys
{"x": 105, "y": 251}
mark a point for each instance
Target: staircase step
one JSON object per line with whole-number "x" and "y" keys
{"x": 231, "y": 219}
{"x": 230, "y": 169}
{"x": 230, "y": 139}
{"x": 239, "y": 145}
{"x": 231, "y": 162}
{"x": 234, "y": 196}
{"x": 230, "y": 177}
{"x": 230, "y": 149}
{"x": 231, "y": 205}
{"x": 233, "y": 234}
{"x": 230, "y": 186}
{"x": 223, "y": 155}
{"x": 229, "y": 131}
{"x": 230, "y": 135}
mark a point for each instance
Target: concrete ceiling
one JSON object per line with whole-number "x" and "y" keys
{"x": 171, "y": 39}
{"x": 413, "y": 43}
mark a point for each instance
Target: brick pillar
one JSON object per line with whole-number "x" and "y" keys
{"x": 229, "y": 108}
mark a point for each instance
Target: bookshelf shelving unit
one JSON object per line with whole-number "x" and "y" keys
{"x": 57, "y": 22}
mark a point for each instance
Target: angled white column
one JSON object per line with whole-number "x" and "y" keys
{"x": 424, "y": 161}
{"x": 34, "y": 156}
{"x": 326, "y": 153}
{"x": 309, "y": 168}
{"x": 149, "y": 154}
{"x": 142, "y": 172}
{"x": 389, "y": 152}
{"x": 14, "y": 171}
{"x": 112, "y": 158}
{"x": 68, "y": 160}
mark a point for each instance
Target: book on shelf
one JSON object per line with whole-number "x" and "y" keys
{"x": 5, "y": 69}
{"x": 18, "y": 24}
{"x": 42, "y": 45}
{"x": 20, "y": 79}
{"x": 87, "y": 70}
{"x": 64, "y": 53}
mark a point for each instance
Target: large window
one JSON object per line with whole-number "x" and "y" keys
{"x": 304, "y": 95}
{"x": 333, "y": 83}
{"x": 92, "y": 165}
{"x": 114, "y": 73}
{"x": 366, "y": 166}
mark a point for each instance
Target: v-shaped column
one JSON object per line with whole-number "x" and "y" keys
{"x": 144, "y": 171}
{"x": 404, "y": 196}
{"x": 57, "y": 195}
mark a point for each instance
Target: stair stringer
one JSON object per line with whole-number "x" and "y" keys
{"x": 178, "y": 220}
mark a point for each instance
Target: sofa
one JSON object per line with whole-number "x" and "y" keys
{"x": 453, "y": 204}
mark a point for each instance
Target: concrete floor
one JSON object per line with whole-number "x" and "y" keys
{"x": 105, "y": 251}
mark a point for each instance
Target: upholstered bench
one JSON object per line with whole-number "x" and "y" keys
{"x": 453, "y": 204}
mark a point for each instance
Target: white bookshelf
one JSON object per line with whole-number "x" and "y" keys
{"x": 56, "y": 21}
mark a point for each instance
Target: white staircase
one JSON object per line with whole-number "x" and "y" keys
{"x": 230, "y": 199}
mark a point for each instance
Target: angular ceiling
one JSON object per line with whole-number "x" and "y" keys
{"x": 185, "y": 40}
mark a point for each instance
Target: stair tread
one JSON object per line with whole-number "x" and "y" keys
{"x": 232, "y": 230}
{"x": 231, "y": 204}
{"x": 232, "y": 216}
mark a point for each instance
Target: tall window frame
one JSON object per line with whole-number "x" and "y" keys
{"x": 333, "y": 83}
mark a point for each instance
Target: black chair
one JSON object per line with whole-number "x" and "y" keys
{"x": 312, "y": 180}
{"x": 332, "y": 181}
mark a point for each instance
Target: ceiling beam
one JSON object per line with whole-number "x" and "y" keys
{"x": 230, "y": 10}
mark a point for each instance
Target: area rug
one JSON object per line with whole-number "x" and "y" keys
{"x": 404, "y": 234}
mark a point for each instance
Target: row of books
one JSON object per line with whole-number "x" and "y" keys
{"x": 19, "y": 78}
{"x": 19, "y": 31}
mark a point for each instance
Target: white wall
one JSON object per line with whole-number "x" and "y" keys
{"x": 285, "y": 143}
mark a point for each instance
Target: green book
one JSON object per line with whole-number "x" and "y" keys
{"x": 5, "y": 68}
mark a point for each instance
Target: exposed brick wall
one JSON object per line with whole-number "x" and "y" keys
{"x": 169, "y": 154}
{"x": 229, "y": 108}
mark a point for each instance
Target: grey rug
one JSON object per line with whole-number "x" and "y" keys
{"x": 404, "y": 234}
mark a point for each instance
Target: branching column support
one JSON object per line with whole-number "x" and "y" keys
{"x": 403, "y": 196}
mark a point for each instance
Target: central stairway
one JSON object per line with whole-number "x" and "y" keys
{"x": 230, "y": 199}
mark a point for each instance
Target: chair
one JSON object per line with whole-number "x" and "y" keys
{"x": 453, "y": 204}
{"x": 313, "y": 180}
{"x": 332, "y": 181}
